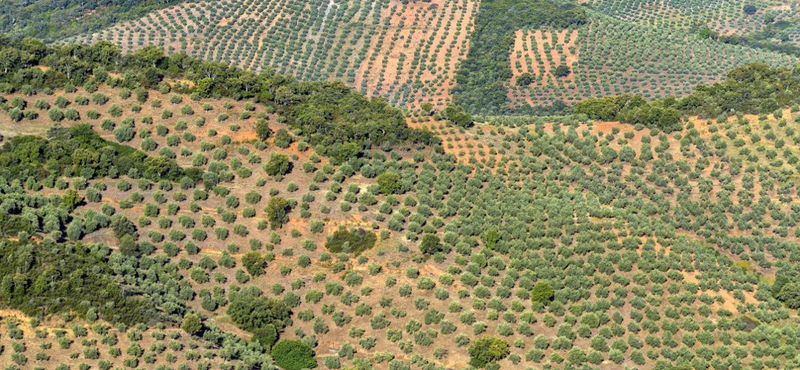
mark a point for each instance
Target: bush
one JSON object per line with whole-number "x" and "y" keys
{"x": 354, "y": 242}
{"x": 262, "y": 130}
{"x": 389, "y": 183}
{"x": 254, "y": 263}
{"x": 283, "y": 139}
{"x": 457, "y": 116}
{"x": 192, "y": 324}
{"x": 525, "y": 79}
{"x": 294, "y": 355}
{"x": 254, "y": 313}
{"x": 266, "y": 336}
{"x": 278, "y": 165}
{"x": 431, "y": 244}
{"x": 486, "y": 350}
{"x": 562, "y": 71}
{"x": 790, "y": 295}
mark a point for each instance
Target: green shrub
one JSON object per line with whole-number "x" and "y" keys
{"x": 486, "y": 350}
{"x": 355, "y": 242}
{"x": 293, "y": 355}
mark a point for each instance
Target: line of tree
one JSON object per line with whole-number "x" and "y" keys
{"x": 764, "y": 39}
{"x": 754, "y": 88}
{"x": 341, "y": 122}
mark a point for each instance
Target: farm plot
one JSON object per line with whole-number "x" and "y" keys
{"x": 599, "y": 244}
{"x": 613, "y": 58}
{"x": 404, "y": 51}
{"x": 726, "y": 17}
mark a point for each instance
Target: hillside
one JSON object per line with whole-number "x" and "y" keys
{"x": 400, "y": 184}
{"x": 405, "y": 51}
{"x": 567, "y": 244}
{"x": 411, "y": 51}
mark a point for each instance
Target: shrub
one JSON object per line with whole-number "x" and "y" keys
{"x": 790, "y": 295}
{"x": 456, "y": 115}
{"x": 486, "y": 350}
{"x": 283, "y": 139}
{"x": 278, "y": 165}
{"x": 262, "y": 130}
{"x": 351, "y": 241}
{"x": 254, "y": 263}
{"x": 192, "y": 324}
{"x": 294, "y": 355}
{"x": 389, "y": 183}
{"x": 431, "y": 244}
{"x": 562, "y": 71}
{"x": 525, "y": 79}
{"x": 253, "y": 313}
{"x": 267, "y": 336}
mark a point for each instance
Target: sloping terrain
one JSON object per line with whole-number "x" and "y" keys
{"x": 405, "y": 51}
{"x": 610, "y": 57}
{"x": 161, "y": 212}
{"x": 409, "y": 52}
{"x": 660, "y": 248}
{"x": 726, "y": 17}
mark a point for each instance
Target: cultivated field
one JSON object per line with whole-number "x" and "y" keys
{"x": 404, "y": 51}
{"x": 610, "y": 57}
{"x": 660, "y": 248}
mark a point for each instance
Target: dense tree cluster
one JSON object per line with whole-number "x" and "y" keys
{"x": 631, "y": 109}
{"x": 486, "y": 350}
{"x": 751, "y": 89}
{"x": 294, "y": 355}
{"x": 263, "y": 316}
{"x": 483, "y": 75}
{"x": 353, "y": 242}
{"x": 79, "y": 151}
{"x": 47, "y": 278}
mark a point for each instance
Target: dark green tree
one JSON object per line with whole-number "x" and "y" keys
{"x": 542, "y": 293}
{"x": 192, "y": 324}
{"x": 254, "y": 263}
{"x": 262, "y": 130}
{"x": 562, "y": 71}
{"x": 278, "y": 165}
{"x": 278, "y": 212}
{"x": 790, "y": 295}
{"x": 431, "y": 244}
{"x": 457, "y": 116}
{"x": 524, "y": 79}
